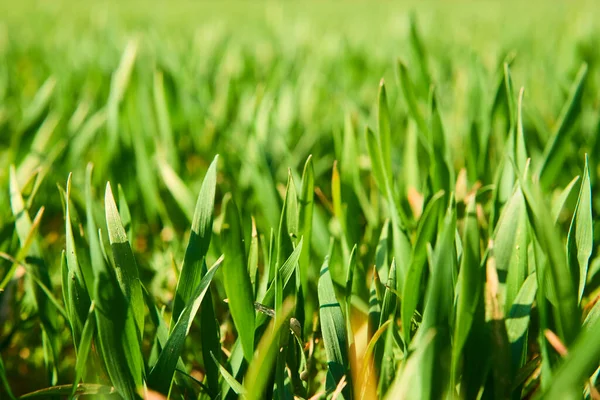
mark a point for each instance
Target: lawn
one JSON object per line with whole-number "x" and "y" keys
{"x": 352, "y": 200}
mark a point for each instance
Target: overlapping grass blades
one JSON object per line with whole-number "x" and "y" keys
{"x": 448, "y": 252}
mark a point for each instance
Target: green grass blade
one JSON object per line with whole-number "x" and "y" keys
{"x": 561, "y": 202}
{"x": 469, "y": 280}
{"x": 580, "y": 242}
{"x": 125, "y": 265}
{"x": 77, "y": 298}
{"x": 510, "y": 246}
{"x": 554, "y": 151}
{"x": 237, "y": 387}
{"x": 518, "y": 321}
{"x": 236, "y": 279}
{"x": 566, "y": 311}
{"x": 83, "y": 389}
{"x": 259, "y": 372}
{"x": 333, "y": 328}
{"x": 191, "y": 271}
{"x": 84, "y": 347}
{"x": 161, "y": 375}
{"x": 384, "y": 128}
{"x": 411, "y": 292}
{"x": 5, "y": 382}
{"x": 38, "y": 271}
{"x": 125, "y": 214}
{"x": 413, "y": 107}
{"x": 177, "y": 187}
{"x": 577, "y": 367}
{"x": 305, "y": 222}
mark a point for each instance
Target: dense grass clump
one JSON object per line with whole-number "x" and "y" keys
{"x": 260, "y": 201}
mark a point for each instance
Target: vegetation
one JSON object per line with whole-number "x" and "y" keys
{"x": 260, "y": 201}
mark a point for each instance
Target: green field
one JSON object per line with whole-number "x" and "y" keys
{"x": 352, "y": 200}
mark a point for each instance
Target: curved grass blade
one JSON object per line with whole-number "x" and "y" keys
{"x": 191, "y": 271}
{"x": 259, "y": 372}
{"x": 413, "y": 107}
{"x": 577, "y": 367}
{"x": 518, "y": 320}
{"x": 566, "y": 311}
{"x": 554, "y": 151}
{"x": 125, "y": 266}
{"x": 438, "y": 308}
{"x": 83, "y": 389}
{"x": 161, "y": 375}
{"x": 469, "y": 281}
{"x": 237, "y": 387}
{"x": 510, "y": 245}
{"x": 24, "y": 250}
{"x": 580, "y": 241}
{"x": 84, "y": 347}
{"x": 4, "y": 380}
{"x": 38, "y": 271}
{"x": 236, "y": 279}
{"x": 285, "y": 273}
{"x": 384, "y": 128}
{"x": 411, "y": 291}
{"x": 563, "y": 198}
{"x": 368, "y": 359}
{"x": 305, "y": 217}
{"x": 177, "y": 187}
{"x": 333, "y": 328}
{"x": 77, "y": 299}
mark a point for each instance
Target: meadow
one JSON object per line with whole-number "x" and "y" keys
{"x": 340, "y": 200}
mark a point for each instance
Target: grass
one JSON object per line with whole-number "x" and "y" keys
{"x": 267, "y": 202}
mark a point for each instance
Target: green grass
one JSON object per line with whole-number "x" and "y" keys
{"x": 316, "y": 200}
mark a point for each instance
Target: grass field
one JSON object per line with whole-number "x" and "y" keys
{"x": 299, "y": 200}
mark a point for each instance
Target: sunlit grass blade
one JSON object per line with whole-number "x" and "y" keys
{"x": 118, "y": 85}
{"x": 259, "y": 372}
{"x": 125, "y": 265}
{"x": 77, "y": 298}
{"x": 510, "y": 246}
{"x": 384, "y": 128}
{"x": 367, "y": 360}
{"x": 285, "y": 273}
{"x": 563, "y": 198}
{"x": 518, "y": 321}
{"x": 553, "y": 156}
{"x": 236, "y": 279}
{"x": 305, "y": 217}
{"x": 333, "y": 329}
{"x": 39, "y": 271}
{"x": 410, "y": 98}
{"x": 191, "y": 271}
{"x": 580, "y": 241}
{"x": 83, "y": 389}
{"x": 161, "y": 375}
{"x": 84, "y": 348}
{"x": 162, "y": 116}
{"x": 566, "y": 312}
{"x": 577, "y": 367}
{"x": 411, "y": 291}
{"x": 237, "y": 387}
{"x": 177, "y": 187}
{"x": 438, "y": 308}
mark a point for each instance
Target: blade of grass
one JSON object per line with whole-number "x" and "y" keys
{"x": 333, "y": 329}
{"x": 161, "y": 375}
{"x": 236, "y": 279}
{"x": 580, "y": 241}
